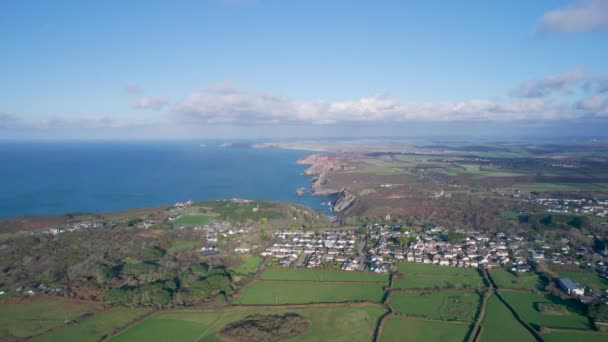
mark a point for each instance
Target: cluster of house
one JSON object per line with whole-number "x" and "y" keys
{"x": 216, "y": 229}
{"x": 390, "y": 244}
{"x": 72, "y": 227}
{"x": 315, "y": 248}
{"x": 585, "y": 206}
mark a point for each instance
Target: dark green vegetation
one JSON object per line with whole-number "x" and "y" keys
{"x": 266, "y": 328}
{"x": 140, "y": 257}
{"x": 399, "y": 328}
{"x": 335, "y": 323}
{"x": 444, "y": 305}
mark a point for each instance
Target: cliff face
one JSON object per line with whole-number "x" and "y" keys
{"x": 345, "y": 199}
{"x": 320, "y": 165}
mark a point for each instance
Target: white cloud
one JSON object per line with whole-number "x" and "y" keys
{"x": 582, "y": 16}
{"x": 551, "y": 84}
{"x": 227, "y": 103}
{"x": 148, "y": 102}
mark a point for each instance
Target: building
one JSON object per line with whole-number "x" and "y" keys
{"x": 570, "y": 287}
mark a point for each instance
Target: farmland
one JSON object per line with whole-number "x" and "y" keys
{"x": 323, "y": 275}
{"x": 193, "y": 219}
{"x": 421, "y": 276}
{"x": 500, "y": 325}
{"x": 399, "y": 328}
{"x": 508, "y": 280}
{"x": 290, "y": 292}
{"x": 26, "y": 319}
{"x": 248, "y": 266}
{"x": 568, "y": 336}
{"x": 336, "y": 323}
{"x": 95, "y": 328}
{"x": 543, "y": 311}
{"x": 443, "y": 305}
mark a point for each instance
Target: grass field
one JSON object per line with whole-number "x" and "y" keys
{"x": 95, "y": 328}
{"x": 568, "y": 336}
{"x": 340, "y": 323}
{"x": 38, "y": 316}
{"x": 180, "y": 246}
{"x": 414, "y": 268}
{"x": 505, "y": 279}
{"x": 323, "y": 275}
{"x": 426, "y": 276}
{"x": 291, "y": 292}
{"x": 193, "y": 219}
{"x": 559, "y": 186}
{"x": 530, "y": 307}
{"x": 446, "y": 305}
{"x": 586, "y": 278}
{"x": 500, "y": 325}
{"x": 249, "y": 265}
{"x": 400, "y": 329}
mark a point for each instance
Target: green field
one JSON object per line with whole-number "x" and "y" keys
{"x": 323, "y": 275}
{"x": 539, "y": 187}
{"x": 444, "y": 305}
{"x": 249, "y": 266}
{"x": 500, "y": 325}
{"x": 586, "y": 278}
{"x": 95, "y": 328}
{"x": 340, "y": 323}
{"x": 291, "y": 292}
{"x": 568, "y": 336}
{"x": 505, "y": 279}
{"x": 426, "y": 276}
{"x": 401, "y": 328}
{"x": 180, "y": 246}
{"x": 544, "y": 311}
{"x": 414, "y": 268}
{"x": 193, "y": 219}
{"x": 29, "y": 319}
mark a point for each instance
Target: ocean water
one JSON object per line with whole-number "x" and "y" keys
{"x": 38, "y": 178}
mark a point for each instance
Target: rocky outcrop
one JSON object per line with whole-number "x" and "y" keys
{"x": 320, "y": 165}
{"x": 344, "y": 200}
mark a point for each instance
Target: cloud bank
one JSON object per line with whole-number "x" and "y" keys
{"x": 582, "y": 16}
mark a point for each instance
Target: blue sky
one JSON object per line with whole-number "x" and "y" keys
{"x": 238, "y": 68}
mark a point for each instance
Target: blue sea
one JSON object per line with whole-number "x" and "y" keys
{"x": 39, "y": 178}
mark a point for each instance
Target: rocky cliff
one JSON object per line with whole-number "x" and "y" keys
{"x": 344, "y": 200}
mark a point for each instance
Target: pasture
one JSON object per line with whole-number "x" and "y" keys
{"x": 508, "y": 280}
{"x": 443, "y": 305}
{"x": 545, "y": 311}
{"x": 291, "y": 292}
{"x": 398, "y": 328}
{"x": 95, "y": 328}
{"x": 427, "y": 276}
{"x": 499, "y": 324}
{"x": 193, "y": 220}
{"x": 287, "y": 274}
{"x": 249, "y": 266}
{"x": 338, "y": 323}
{"x": 568, "y": 336}
{"x": 35, "y": 316}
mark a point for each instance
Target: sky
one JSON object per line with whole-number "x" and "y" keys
{"x": 302, "y": 69}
